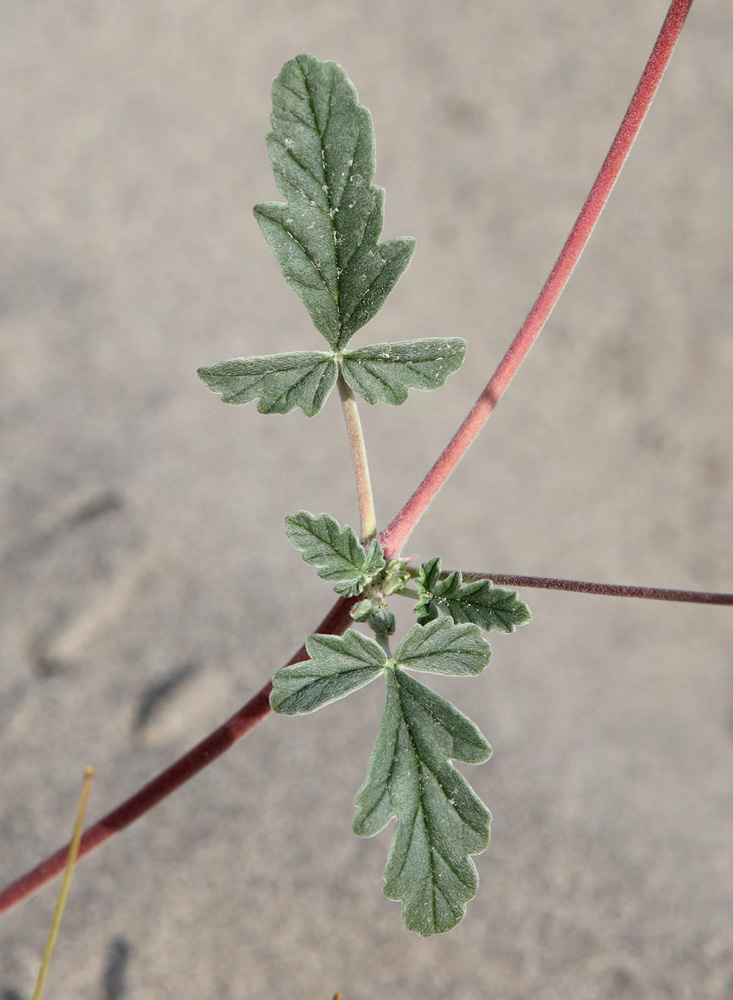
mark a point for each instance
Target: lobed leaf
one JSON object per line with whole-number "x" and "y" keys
{"x": 337, "y": 666}
{"x": 336, "y": 552}
{"x": 487, "y": 606}
{"x": 385, "y": 372}
{"x": 479, "y": 602}
{"x": 441, "y": 647}
{"x": 396, "y": 577}
{"x": 441, "y": 821}
{"x": 429, "y": 575}
{"x": 280, "y": 381}
{"x": 326, "y": 236}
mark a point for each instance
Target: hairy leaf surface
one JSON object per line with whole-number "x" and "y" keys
{"x": 479, "y": 602}
{"x": 384, "y": 372}
{"x": 336, "y": 552}
{"x": 326, "y": 235}
{"x": 280, "y": 381}
{"x": 488, "y": 606}
{"x": 440, "y": 819}
{"x": 337, "y": 666}
{"x": 441, "y": 647}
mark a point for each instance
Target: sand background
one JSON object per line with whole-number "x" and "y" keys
{"x": 146, "y": 586}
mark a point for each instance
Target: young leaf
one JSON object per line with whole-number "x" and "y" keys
{"x": 429, "y": 584}
{"x": 396, "y": 578}
{"x": 429, "y": 574}
{"x": 281, "y": 381}
{"x": 444, "y": 648}
{"x": 336, "y": 552}
{"x": 488, "y": 606}
{"x": 479, "y": 602}
{"x": 437, "y": 593}
{"x": 337, "y": 666}
{"x": 384, "y": 372}
{"x": 440, "y": 819}
{"x": 326, "y": 237}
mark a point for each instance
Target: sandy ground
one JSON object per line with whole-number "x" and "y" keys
{"x": 147, "y": 589}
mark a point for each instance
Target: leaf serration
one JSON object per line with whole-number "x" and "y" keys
{"x": 336, "y": 552}
{"x": 441, "y": 821}
{"x": 327, "y": 240}
{"x": 479, "y": 601}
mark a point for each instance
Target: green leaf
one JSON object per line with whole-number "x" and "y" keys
{"x": 384, "y": 372}
{"x": 440, "y": 819}
{"x": 396, "y": 577}
{"x": 326, "y": 237}
{"x": 440, "y": 591}
{"x": 337, "y": 666}
{"x": 426, "y": 581}
{"x": 488, "y": 606}
{"x": 426, "y": 609}
{"x": 281, "y": 381}
{"x": 479, "y": 602}
{"x": 336, "y": 552}
{"x": 444, "y": 648}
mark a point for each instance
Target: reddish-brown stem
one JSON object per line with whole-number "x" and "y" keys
{"x": 396, "y": 534}
{"x": 607, "y": 589}
{"x": 335, "y": 622}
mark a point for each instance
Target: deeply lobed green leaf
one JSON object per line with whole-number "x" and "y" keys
{"x": 336, "y": 552}
{"x": 441, "y": 821}
{"x": 337, "y": 666}
{"x": 479, "y": 602}
{"x": 487, "y": 606}
{"x": 326, "y": 239}
{"x": 280, "y": 381}
{"x": 384, "y": 372}
{"x": 379, "y": 372}
{"x": 326, "y": 236}
{"x": 441, "y": 647}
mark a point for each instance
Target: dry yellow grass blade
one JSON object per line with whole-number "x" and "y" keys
{"x": 65, "y": 883}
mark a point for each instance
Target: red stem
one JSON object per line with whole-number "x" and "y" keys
{"x": 608, "y": 589}
{"x": 335, "y": 623}
{"x": 396, "y": 534}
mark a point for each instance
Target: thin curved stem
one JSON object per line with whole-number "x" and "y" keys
{"x": 394, "y": 537}
{"x": 606, "y": 589}
{"x": 72, "y": 855}
{"x": 396, "y": 534}
{"x": 359, "y": 455}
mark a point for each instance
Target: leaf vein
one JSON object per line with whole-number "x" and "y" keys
{"x": 330, "y": 103}
{"x": 413, "y": 824}
{"x": 422, "y": 761}
{"x": 349, "y": 170}
{"x": 286, "y": 392}
{"x": 430, "y": 828}
{"x": 371, "y": 285}
{"x": 310, "y": 101}
{"x": 276, "y": 222}
{"x": 296, "y": 161}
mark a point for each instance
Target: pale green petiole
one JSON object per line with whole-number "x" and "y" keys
{"x": 361, "y": 466}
